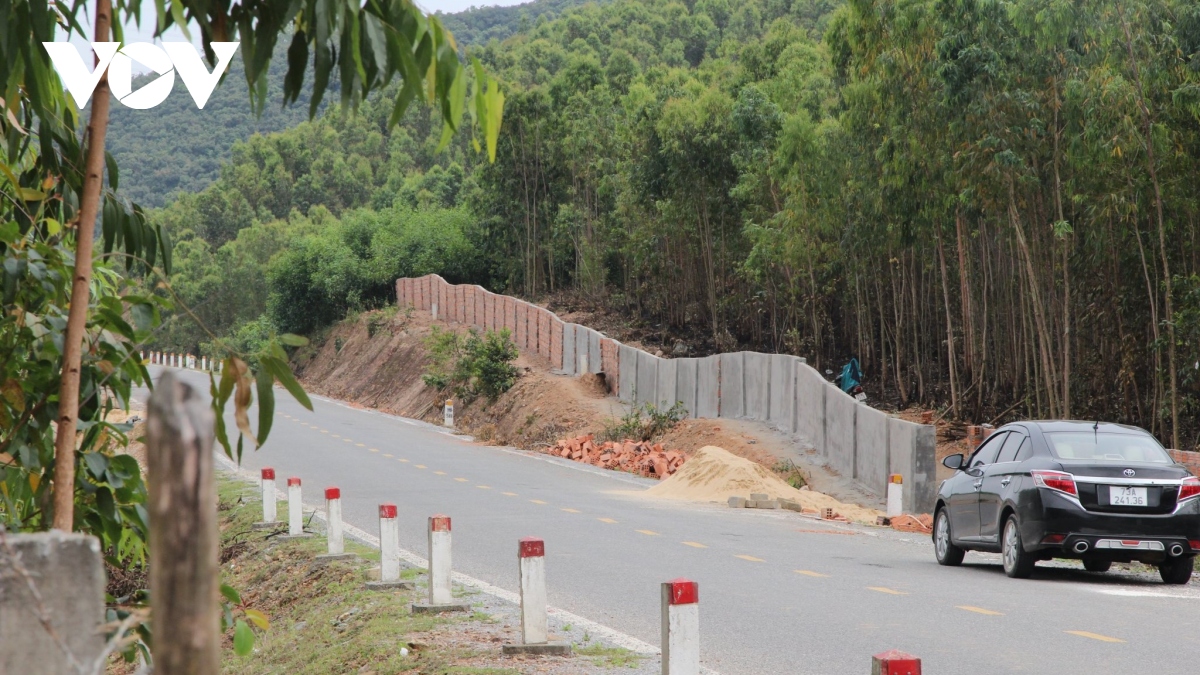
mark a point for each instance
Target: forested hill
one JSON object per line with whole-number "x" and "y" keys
{"x": 992, "y": 205}
{"x": 175, "y": 148}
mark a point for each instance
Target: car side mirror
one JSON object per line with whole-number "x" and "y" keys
{"x": 953, "y": 462}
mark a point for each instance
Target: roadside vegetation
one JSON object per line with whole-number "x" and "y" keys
{"x": 471, "y": 364}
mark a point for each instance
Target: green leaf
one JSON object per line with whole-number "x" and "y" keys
{"x": 31, "y": 195}
{"x": 293, "y": 340}
{"x": 231, "y": 594}
{"x": 258, "y": 618}
{"x": 266, "y": 403}
{"x": 283, "y": 374}
{"x": 113, "y": 172}
{"x": 243, "y": 638}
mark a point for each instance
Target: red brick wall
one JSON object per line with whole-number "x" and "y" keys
{"x": 469, "y": 305}
{"x": 609, "y": 364}
{"x": 489, "y": 306}
{"x": 480, "y": 296}
{"x": 509, "y": 308}
{"x": 544, "y": 333}
{"x": 1189, "y": 459}
{"x": 519, "y": 337}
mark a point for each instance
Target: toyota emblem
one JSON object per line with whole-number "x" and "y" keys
{"x": 1130, "y": 472}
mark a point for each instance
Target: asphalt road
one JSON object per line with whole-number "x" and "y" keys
{"x": 780, "y": 593}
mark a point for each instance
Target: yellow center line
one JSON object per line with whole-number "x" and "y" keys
{"x": 461, "y": 480}
{"x": 750, "y": 558}
{"x": 1093, "y": 636}
{"x": 439, "y": 473}
{"x": 980, "y": 610}
{"x": 810, "y": 573}
{"x": 324, "y": 431}
{"x": 403, "y": 460}
{"x": 420, "y": 466}
{"x": 537, "y": 501}
{"x": 484, "y": 487}
{"x": 649, "y": 532}
{"x": 571, "y": 510}
{"x": 360, "y": 445}
{"x": 610, "y": 521}
{"x": 349, "y": 441}
{"x": 509, "y": 494}
{"x": 335, "y": 436}
{"x": 889, "y": 591}
{"x": 694, "y": 544}
{"x": 387, "y": 455}
{"x": 374, "y": 449}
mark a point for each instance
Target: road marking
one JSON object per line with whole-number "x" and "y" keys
{"x": 374, "y": 449}
{"x": 387, "y": 455}
{"x": 403, "y": 460}
{"x": 652, "y": 533}
{"x": 537, "y": 501}
{"x": 509, "y": 494}
{"x": 889, "y": 591}
{"x": 420, "y": 466}
{"x": 571, "y": 510}
{"x": 810, "y": 573}
{"x": 349, "y": 441}
{"x": 440, "y": 473}
{"x": 334, "y": 436}
{"x": 610, "y": 521}
{"x": 360, "y": 445}
{"x": 694, "y": 544}
{"x": 750, "y": 558}
{"x": 461, "y": 480}
{"x": 1093, "y": 636}
{"x": 980, "y": 610}
{"x": 324, "y": 431}
{"x": 484, "y": 487}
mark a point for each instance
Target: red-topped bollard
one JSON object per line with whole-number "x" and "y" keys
{"x": 389, "y": 551}
{"x": 681, "y": 627}
{"x": 441, "y": 599}
{"x": 269, "y": 521}
{"x": 895, "y": 662}
{"x": 333, "y": 532}
{"x": 531, "y": 562}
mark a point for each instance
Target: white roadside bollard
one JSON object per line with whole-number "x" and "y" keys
{"x": 680, "y": 627}
{"x": 269, "y": 521}
{"x": 295, "y": 512}
{"x": 531, "y": 559}
{"x": 441, "y": 599}
{"x": 333, "y": 533}
{"x": 389, "y": 552}
{"x": 895, "y": 496}
{"x": 448, "y": 414}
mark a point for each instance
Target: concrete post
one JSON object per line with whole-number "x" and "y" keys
{"x": 389, "y": 552}
{"x": 681, "y": 627}
{"x": 895, "y": 496}
{"x": 67, "y": 572}
{"x": 583, "y": 363}
{"x": 448, "y": 414}
{"x": 433, "y": 309}
{"x": 440, "y": 597}
{"x": 269, "y": 520}
{"x": 295, "y": 511}
{"x": 531, "y": 560}
{"x": 895, "y": 662}
{"x": 333, "y": 510}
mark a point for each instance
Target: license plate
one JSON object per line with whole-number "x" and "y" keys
{"x": 1127, "y": 496}
{"x": 860, "y": 397}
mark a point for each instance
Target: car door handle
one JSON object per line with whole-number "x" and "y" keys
{"x": 1005, "y": 482}
{"x": 977, "y": 484}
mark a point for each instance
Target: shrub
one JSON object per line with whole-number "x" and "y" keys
{"x": 471, "y": 365}
{"x": 644, "y": 423}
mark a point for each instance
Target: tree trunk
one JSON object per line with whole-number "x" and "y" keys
{"x": 949, "y": 326}
{"x": 89, "y": 206}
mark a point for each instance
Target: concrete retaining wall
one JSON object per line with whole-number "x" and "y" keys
{"x": 782, "y": 390}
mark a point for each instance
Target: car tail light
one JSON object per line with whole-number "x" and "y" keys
{"x": 1194, "y": 544}
{"x": 1055, "y": 539}
{"x": 1190, "y": 488}
{"x": 1055, "y": 480}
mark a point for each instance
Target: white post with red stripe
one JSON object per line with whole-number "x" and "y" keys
{"x": 295, "y": 508}
{"x": 389, "y": 551}
{"x": 441, "y": 599}
{"x": 268, "y": 496}
{"x": 333, "y": 511}
{"x": 531, "y": 560}
{"x": 681, "y": 627}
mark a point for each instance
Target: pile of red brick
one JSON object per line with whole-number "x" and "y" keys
{"x": 645, "y": 459}
{"x": 922, "y": 524}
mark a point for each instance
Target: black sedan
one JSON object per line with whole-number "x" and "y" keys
{"x": 1096, "y": 492}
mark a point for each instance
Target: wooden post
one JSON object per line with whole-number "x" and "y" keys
{"x": 184, "y": 591}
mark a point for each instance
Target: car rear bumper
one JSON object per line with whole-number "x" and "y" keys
{"x": 1120, "y": 537}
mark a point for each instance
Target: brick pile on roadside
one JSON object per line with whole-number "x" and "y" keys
{"x": 922, "y": 524}
{"x": 645, "y": 459}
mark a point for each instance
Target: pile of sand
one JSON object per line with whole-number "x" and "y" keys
{"x": 714, "y": 475}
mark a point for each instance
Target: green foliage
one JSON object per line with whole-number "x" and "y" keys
{"x": 645, "y": 423}
{"x": 471, "y": 364}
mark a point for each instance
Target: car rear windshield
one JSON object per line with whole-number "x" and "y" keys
{"x": 1107, "y": 447}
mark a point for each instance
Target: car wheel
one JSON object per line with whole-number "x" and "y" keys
{"x": 943, "y": 547}
{"x": 1094, "y": 565}
{"x": 1018, "y": 563}
{"x": 1176, "y": 570}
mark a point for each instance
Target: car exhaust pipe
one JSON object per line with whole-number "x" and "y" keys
{"x": 1081, "y": 546}
{"x": 1176, "y": 550}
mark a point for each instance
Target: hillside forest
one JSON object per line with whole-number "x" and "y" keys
{"x": 993, "y": 205}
